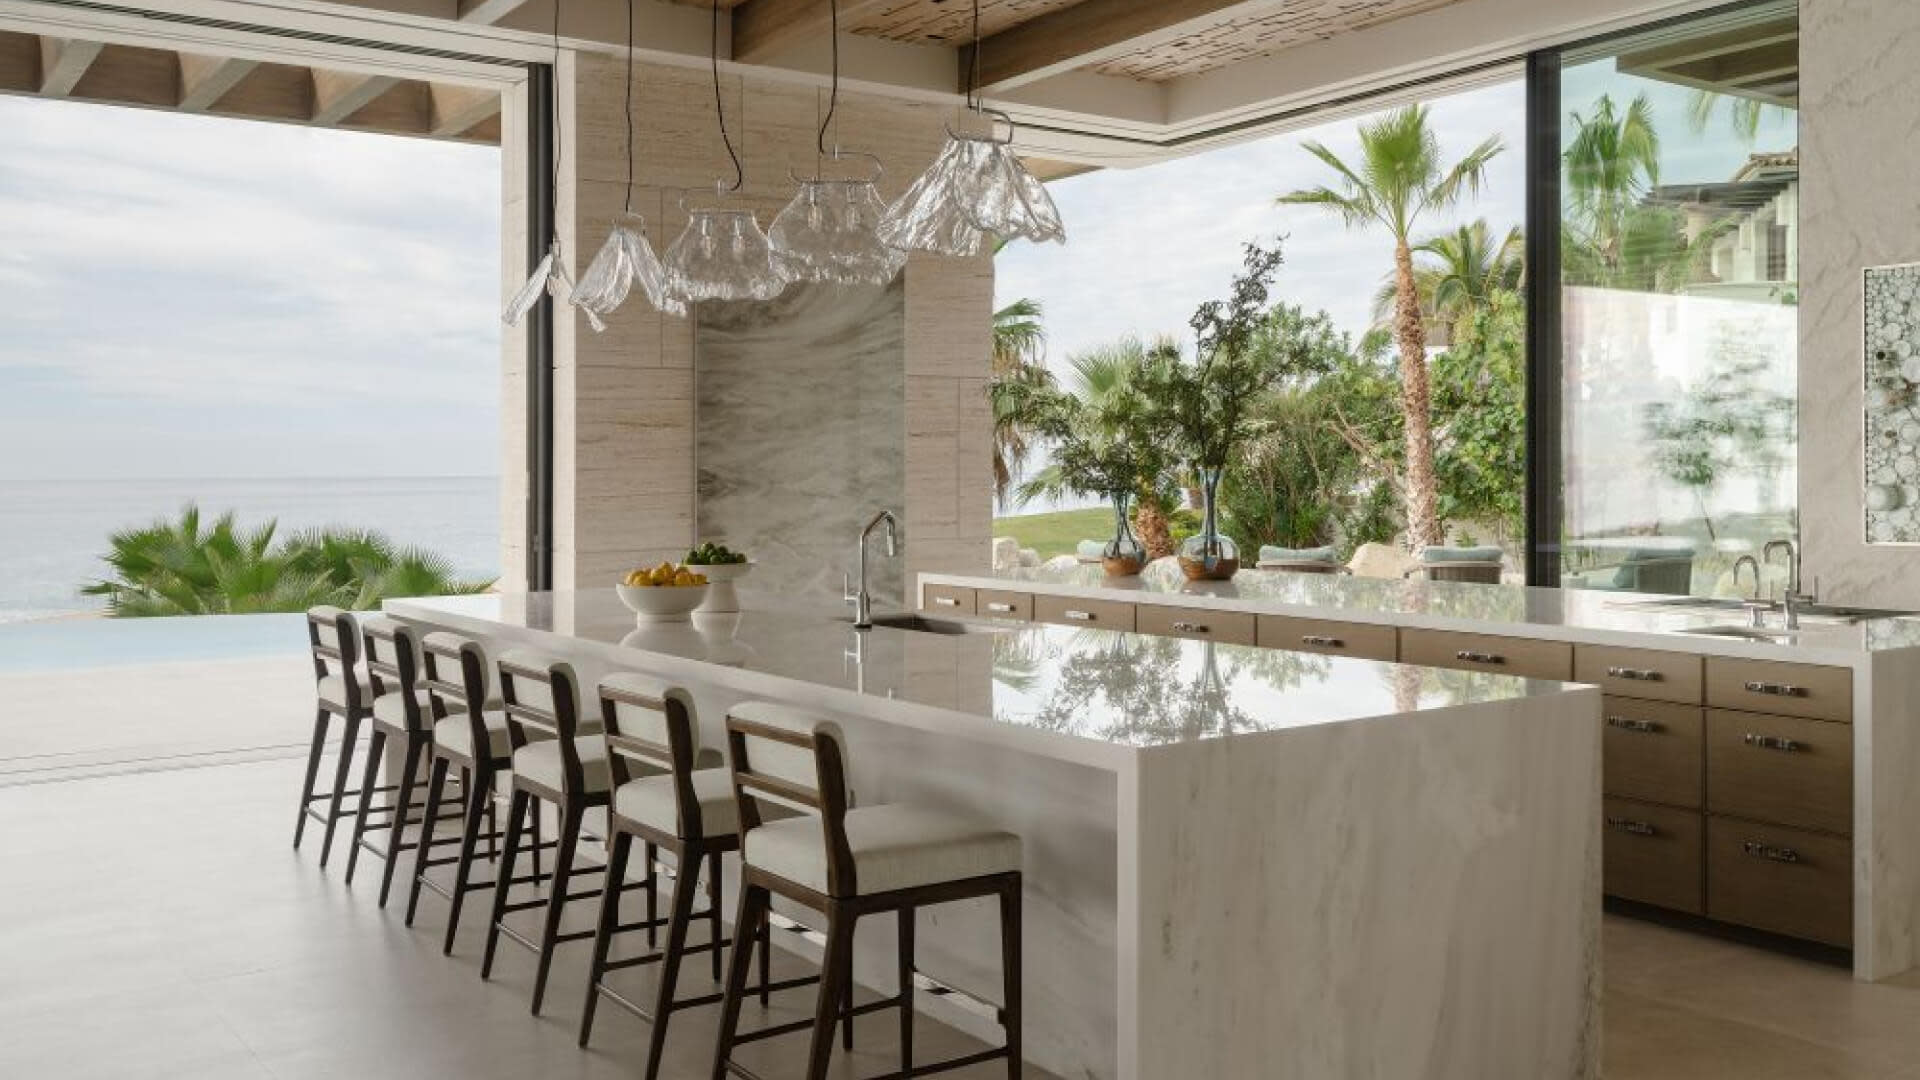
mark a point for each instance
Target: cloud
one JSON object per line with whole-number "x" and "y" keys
{"x": 200, "y": 264}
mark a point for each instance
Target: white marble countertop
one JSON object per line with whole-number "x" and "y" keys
{"x": 1094, "y": 696}
{"x": 1578, "y": 615}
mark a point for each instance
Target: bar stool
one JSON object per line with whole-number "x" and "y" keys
{"x": 403, "y": 710}
{"x": 552, "y": 762}
{"x": 688, "y": 811}
{"x": 847, "y": 864}
{"x": 469, "y": 733}
{"x": 342, "y": 689}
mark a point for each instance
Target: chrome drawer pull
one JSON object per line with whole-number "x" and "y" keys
{"x": 1628, "y": 825}
{"x": 1638, "y": 727}
{"x": 1777, "y": 689}
{"x": 1769, "y": 852}
{"x": 1077, "y": 615}
{"x": 946, "y": 601}
{"x": 997, "y": 606}
{"x": 1323, "y": 641}
{"x": 1635, "y": 674}
{"x": 1190, "y": 627}
{"x": 1771, "y": 742}
{"x": 1479, "y": 657}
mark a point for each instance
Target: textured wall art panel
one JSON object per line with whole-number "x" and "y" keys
{"x": 1892, "y": 396}
{"x": 800, "y": 425}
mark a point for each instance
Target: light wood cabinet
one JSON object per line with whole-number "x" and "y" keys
{"x": 1368, "y": 641}
{"x": 1653, "y": 750}
{"x": 1640, "y": 673}
{"x": 1785, "y": 769}
{"x": 1002, "y": 604}
{"x": 1198, "y": 624}
{"x": 947, "y": 599}
{"x": 1077, "y": 611}
{"x": 1487, "y": 652}
{"x": 1772, "y": 877}
{"x": 1774, "y": 686}
{"x": 1653, "y": 854}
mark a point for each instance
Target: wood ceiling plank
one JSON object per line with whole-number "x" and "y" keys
{"x": 488, "y": 12}
{"x": 765, "y": 28}
{"x": 455, "y": 109}
{"x": 131, "y": 75}
{"x": 204, "y": 80}
{"x": 1223, "y": 42}
{"x": 64, "y": 62}
{"x": 339, "y": 94}
{"x": 1093, "y": 31}
{"x": 19, "y": 62}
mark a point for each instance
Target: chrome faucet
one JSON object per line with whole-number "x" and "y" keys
{"x": 1747, "y": 560}
{"x": 861, "y": 600}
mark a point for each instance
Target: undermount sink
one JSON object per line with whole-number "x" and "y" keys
{"x": 1745, "y": 633}
{"x": 923, "y": 625}
{"x": 1827, "y": 613}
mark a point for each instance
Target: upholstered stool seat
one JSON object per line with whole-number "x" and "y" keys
{"x": 893, "y": 847}
{"x": 343, "y": 690}
{"x": 539, "y": 764}
{"x": 456, "y": 734}
{"x": 653, "y": 801}
{"x": 333, "y": 694}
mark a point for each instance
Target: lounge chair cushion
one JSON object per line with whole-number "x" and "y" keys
{"x": 1270, "y": 553}
{"x": 1436, "y": 553}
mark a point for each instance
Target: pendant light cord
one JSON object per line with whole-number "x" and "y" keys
{"x": 833, "y": 95}
{"x": 629, "y": 104}
{"x": 719, "y": 106}
{"x": 559, "y": 129}
{"x": 973, "y": 62}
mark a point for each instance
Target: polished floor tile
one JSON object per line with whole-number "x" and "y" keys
{"x": 157, "y": 925}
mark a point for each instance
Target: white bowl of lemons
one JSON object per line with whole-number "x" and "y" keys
{"x": 664, "y": 593}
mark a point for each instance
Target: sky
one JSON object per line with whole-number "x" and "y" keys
{"x": 189, "y": 296}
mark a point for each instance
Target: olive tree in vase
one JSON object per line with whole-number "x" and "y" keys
{"x": 1203, "y": 403}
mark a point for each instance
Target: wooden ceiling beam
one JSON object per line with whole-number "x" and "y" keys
{"x": 454, "y": 110}
{"x": 339, "y": 94}
{"x": 62, "y": 62}
{"x": 1086, "y": 33}
{"x": 204, "y": 80}
{"x": 763, "y": 29}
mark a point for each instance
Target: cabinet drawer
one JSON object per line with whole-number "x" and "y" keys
{"x": 1785, "y": 880}
{"x": 1772, "y": 687}
{"x": 1652, "y": 750}
{"x": 1486, "y": 652}
{"x": 1365, "y": 640}
{"x": 953, "y": 599}
{"x": 1652, "y": 854}
{"x": 1000, "y": 604}
{"x": 1780, "y": 768}
{"x": 1074, "y": 611}
{"x": 1232, "y": 627}
{"x": 1639, "y": 673}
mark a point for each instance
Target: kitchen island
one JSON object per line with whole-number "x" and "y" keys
{"x": 1239, "y": 862}
{"x": 1760, "y": 776}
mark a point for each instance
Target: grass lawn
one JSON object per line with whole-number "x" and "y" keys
{"x": 1058, "y": 532}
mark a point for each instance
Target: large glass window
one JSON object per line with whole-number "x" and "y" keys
{"x": 1679, "y": 187}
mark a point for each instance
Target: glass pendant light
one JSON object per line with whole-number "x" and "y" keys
{"x": 975, "y": 189}
{"x": 722, "y": 254}
{"x": 549, "y": 275}
{"x": 828, "y": 233}
{"x": 627, "y": 258}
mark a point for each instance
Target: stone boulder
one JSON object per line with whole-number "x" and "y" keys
{"x": 1006, "y": 553}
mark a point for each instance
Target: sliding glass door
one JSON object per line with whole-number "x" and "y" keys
{"x": 1678, "y": 261}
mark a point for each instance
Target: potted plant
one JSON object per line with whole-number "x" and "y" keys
{"x": 1204, "y": 404}
{"x": 1099, "y": 448}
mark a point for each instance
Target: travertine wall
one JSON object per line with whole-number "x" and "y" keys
{"x": 1859, "y": 153}
{"x": 624, "y": 437}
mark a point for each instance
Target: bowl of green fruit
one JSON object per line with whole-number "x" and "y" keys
{"x": 722, "y": 567}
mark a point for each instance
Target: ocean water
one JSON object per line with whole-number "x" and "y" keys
{"x": 54, "y": 532}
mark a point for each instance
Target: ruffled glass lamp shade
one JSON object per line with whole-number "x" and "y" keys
{"x": 975, "y": 187}
{"x": 624, "y": 261}
{"x": 549, "y": 276}
{"x": 723, "y": 255}
{"x": 827, "y": 233}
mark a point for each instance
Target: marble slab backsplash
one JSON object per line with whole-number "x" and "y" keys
{"x": 800, "y": 431}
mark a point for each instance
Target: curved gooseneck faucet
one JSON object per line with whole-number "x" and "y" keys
{"x": 861, "y": 600}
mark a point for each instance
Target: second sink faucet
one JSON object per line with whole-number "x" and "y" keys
{"x": 861, "y": 600}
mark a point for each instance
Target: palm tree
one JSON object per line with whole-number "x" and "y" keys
{"x": 1018, "y": 340}
{"x": 1611, "y": 165}
{"x": 1401, "y": 176}
{"x": 183, "y": 567}
{"x": 1465, "y": 268}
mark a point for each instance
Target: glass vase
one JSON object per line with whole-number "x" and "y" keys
{"x": 1207, "y": 555}
{"x": 1123, "y": 556}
